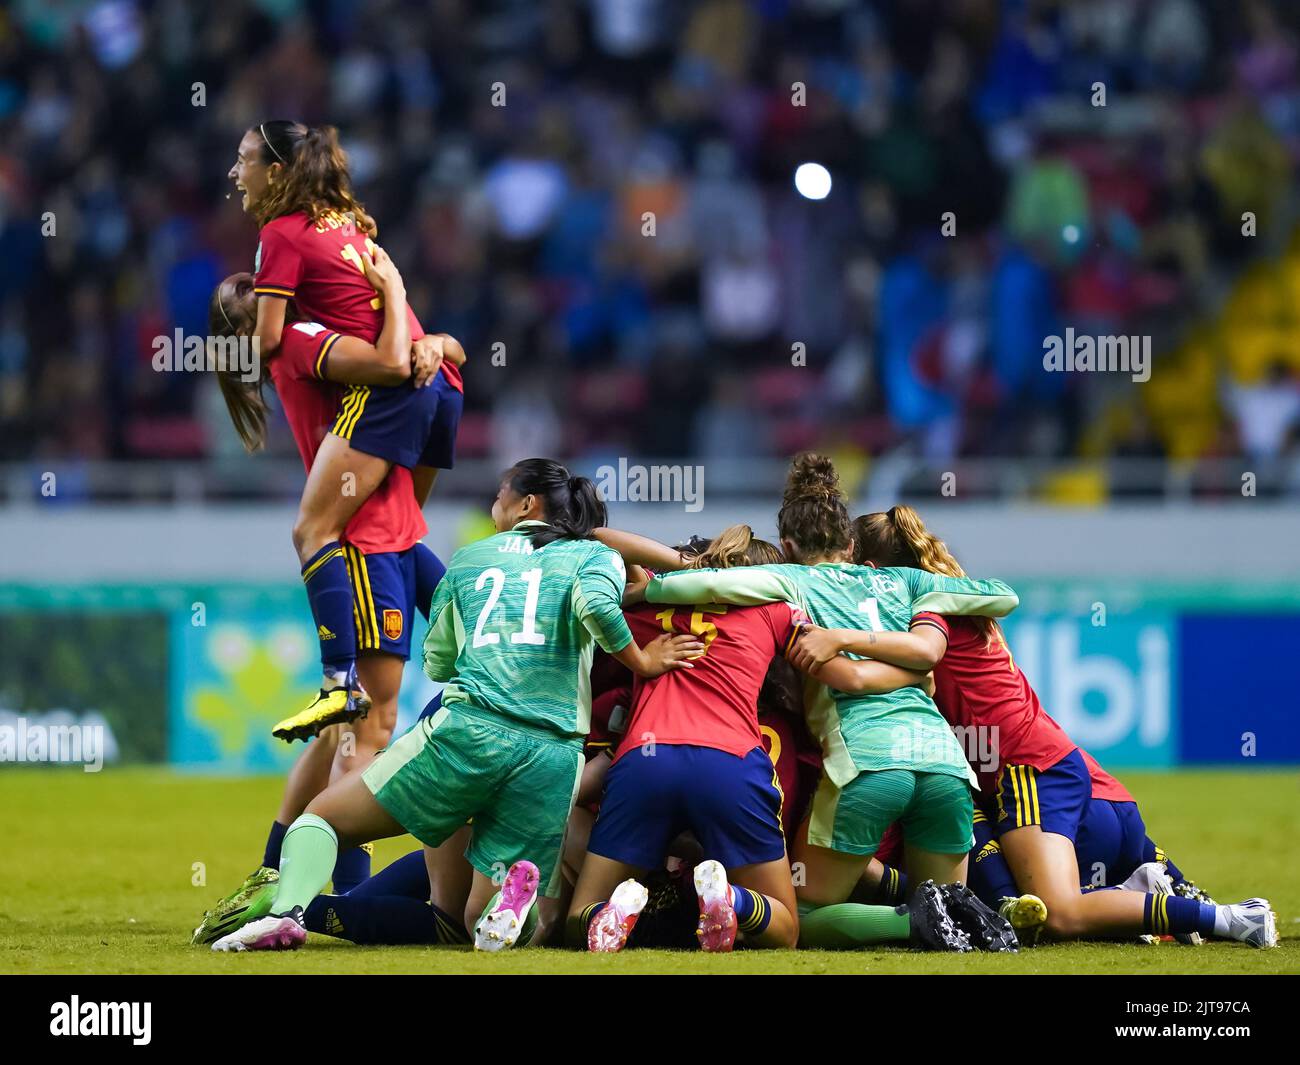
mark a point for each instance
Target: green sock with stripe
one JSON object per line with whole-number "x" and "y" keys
{"x": 307, "y": 859}
{"x": 846, "y": 925}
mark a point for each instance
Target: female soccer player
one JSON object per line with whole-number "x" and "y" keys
{"x": 887, "y": 757}
{"x": 1041, "y": 784}
{"x": 314, "y": 243}
{"x": 514, "y": 624}
{"x": 705, "y": 770}
{"x": 382, "y": 548}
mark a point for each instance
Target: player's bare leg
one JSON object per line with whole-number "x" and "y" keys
{"x": 340, "y": 480}
{"x": 451, "y": 877}
{"x": 775, "y": 883}
{"x": 1044, "y": 863}
{"x": 309, "y": 776}
{"x": 925, "y": 865}
{"x": 360, "y": 741}
{"x": 597, "y": 883}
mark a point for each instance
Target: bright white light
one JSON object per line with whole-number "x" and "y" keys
{"x": 812, "y": 181}
{"x": 1071, "y": 234}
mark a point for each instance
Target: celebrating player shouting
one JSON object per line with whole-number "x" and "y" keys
{"x": 313, "y": 247}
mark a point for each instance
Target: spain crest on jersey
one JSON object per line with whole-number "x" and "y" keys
{"x": 393, "y": 624}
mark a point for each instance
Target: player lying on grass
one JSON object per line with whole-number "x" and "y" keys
{"x": 1041, "y": 784}
{"x": 315, "y": 247}
{"x": 514, "y": 624}
{"x": 886, "y": 758}
{"x": 391, "y": 572}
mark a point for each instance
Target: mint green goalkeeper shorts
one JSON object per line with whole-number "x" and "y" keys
{"x": 935, "y": 810}
{"x": 517, "y": 788}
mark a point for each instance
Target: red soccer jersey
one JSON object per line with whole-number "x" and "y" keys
{"x": 1104, "y": 786}
{"x": 716, "y": 703}
{"x": 786, "y": 742}
{"x": 390, "y": 520}
{"x": 980, "y": 687}
{"x": 318, "y": 265}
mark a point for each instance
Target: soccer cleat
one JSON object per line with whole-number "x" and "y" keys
{"x": 932, "y": 925}
{"x": 609, "y": 929}
{"x": 502, "y": 925}
{"x": 1151, "y": 878}
{"x": 343, "y": 703}
{"x": 1027, "y": 916}
{"x": 250, "y": 901}
{"x": 716, "y": 930}
{"x": 1253, "y": 922}
{"x": 1187, "y": 890}
{"x": 275, "y": 931}
{"x": 986, "y": 928}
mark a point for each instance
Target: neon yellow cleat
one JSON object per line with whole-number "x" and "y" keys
{"x": 1028, "y": 916}
{"x": 347, "y": 702}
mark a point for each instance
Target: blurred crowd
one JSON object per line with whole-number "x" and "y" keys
{"x": 596, "y": 197}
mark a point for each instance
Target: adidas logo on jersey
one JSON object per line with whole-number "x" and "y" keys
{"x": 324, "y": 633}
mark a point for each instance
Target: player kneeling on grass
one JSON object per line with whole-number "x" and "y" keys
{"x": 514, "y": 624}
{"x": 706, "y": 772}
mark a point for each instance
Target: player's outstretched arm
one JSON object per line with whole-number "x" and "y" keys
{"x": 271, "y": 314}
{"x": 870, "y": 678}
{"x": 921, "y": 649}
{"x": 640, "y": 550}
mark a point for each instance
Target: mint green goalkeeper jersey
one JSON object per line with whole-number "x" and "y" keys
{"x": 512, "y": 629}
{"x": 902, "y": 729}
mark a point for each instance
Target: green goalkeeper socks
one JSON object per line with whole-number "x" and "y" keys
{"x": 307, "y": 859}
{"x": 849, "y": 924}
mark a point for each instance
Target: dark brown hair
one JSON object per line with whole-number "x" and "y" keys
{"x": 813, "y": 516}
{"x": 244, "y": 400}
{"x": 315, "y": 178}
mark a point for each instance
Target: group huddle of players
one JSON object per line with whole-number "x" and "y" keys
{"x": 725, "y": 742}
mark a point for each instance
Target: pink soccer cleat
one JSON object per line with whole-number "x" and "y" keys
{"x": 717, "y": 928}
{"x": 501, "y": 926}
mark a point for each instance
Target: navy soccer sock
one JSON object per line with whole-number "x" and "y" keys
{"x": 274, "y": 838}
{"x": 329, "y": 591}
{"x": 351, "y": 869}
{"x": 1164, "y": 915}
{"x": 753, "y": 910}
{"x": 987, "y": 873}
{"x": 383, "y": 919}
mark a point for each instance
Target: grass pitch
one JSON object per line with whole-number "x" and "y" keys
{"x": 100, "y": 872}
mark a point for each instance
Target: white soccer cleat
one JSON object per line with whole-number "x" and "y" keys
{"x": 275, "y": 931}
{"x": 1149, "y": 878}
{"x": 610, "y": 928}
{"x": 502, "y": 926}
{"x": 1253, "y": 922}
{"x": 716, "y": 931}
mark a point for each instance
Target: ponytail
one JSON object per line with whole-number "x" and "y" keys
{"x": 572, "y": 505}
{"x": 229, "y": 315}
{"x": 898, "y": 537}
{"x": 314, "y": 179}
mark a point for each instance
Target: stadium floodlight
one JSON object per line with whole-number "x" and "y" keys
{"x": 812, "y": 181}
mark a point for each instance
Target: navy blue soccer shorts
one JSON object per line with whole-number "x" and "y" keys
{"x": 731, "y": 804}
{"x": 1055, "y": 799}
{"x": 408, "y": 426}
{"x": 383, "y": 599}
{"x": 1110, "y": 843}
